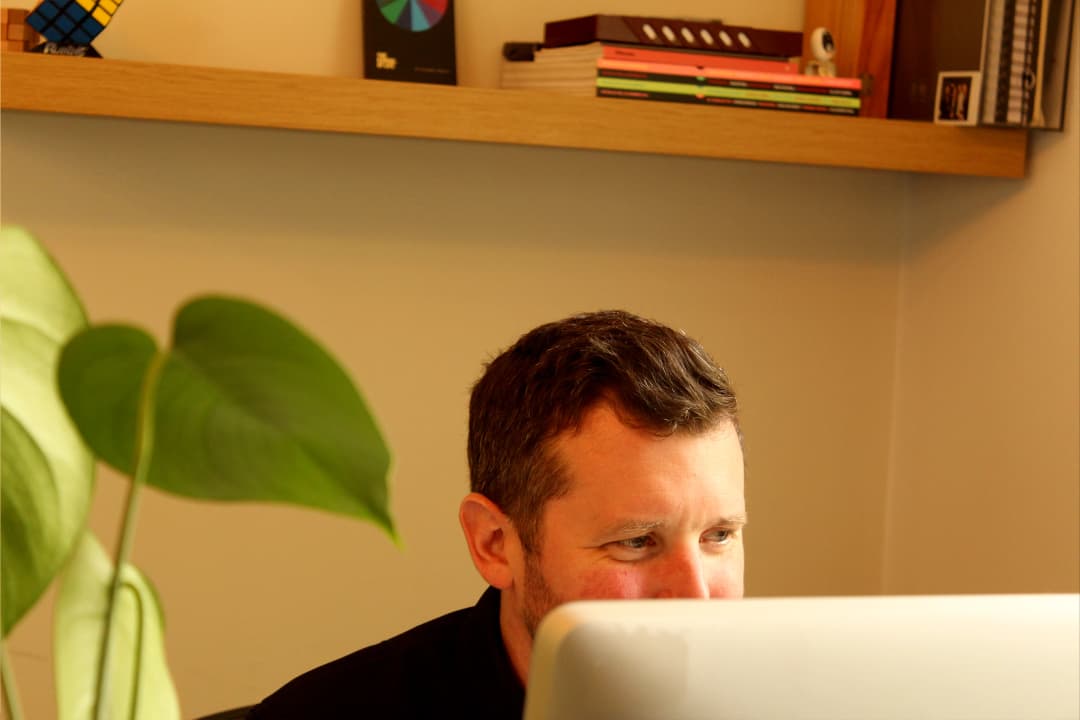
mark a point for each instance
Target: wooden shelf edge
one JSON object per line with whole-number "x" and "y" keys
{"x": 149, "y": 91}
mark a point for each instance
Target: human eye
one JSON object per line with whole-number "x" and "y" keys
{"x": 630, "y": 549}
{"x": 635, "y": 543}
{"x": 719, "y": 536}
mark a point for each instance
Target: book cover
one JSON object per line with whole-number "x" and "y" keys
{"x": 1052, "y": 70}
{"x": 659, "y": 68}
{"x": 651, "y": 95}
{"x": 631, "y": 53}
{"x": 787, "y": 106}
{"x": 522, "y": 52}
{"x": 995, "y": 33}
{"x": 680, "y": 86}
{"x": 410, "y": 40}
{"x": 1032, "y": 44}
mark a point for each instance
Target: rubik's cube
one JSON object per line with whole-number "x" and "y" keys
{"x": 72, "y": 21}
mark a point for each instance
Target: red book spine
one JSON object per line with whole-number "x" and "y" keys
{"x": 655, "y": 68}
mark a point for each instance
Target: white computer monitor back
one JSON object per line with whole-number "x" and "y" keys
{"x": 870, "y": 658}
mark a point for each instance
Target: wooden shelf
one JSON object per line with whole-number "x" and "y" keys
{"x": 146, "y": 91}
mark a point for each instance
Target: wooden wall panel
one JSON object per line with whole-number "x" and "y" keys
{"x": 863, "y": 32}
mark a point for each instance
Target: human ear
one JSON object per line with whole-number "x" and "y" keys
{"x": 492, "y": 539}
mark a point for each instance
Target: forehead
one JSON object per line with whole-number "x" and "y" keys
{"x": 613, "y": 468}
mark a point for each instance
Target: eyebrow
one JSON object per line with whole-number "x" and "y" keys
{"x": 633, "y": 527}
{"x": 643, "y": 527}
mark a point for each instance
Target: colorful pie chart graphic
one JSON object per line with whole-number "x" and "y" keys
{"x": 413, "y": 15}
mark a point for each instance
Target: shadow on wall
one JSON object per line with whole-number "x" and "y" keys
{"x": 263, "y": 184}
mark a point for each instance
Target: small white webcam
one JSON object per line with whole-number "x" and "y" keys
{"x": 823, "y": 49}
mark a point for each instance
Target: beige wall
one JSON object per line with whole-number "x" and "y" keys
{"x": 985, "y": 490}
{"x": 414, "y": 261}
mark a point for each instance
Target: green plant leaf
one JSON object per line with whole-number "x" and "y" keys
{"x": 47, "y": 471}
{"x": 100, "y": 378}
{"x": 140, "y": 687}
{"x": 248, "y": 407}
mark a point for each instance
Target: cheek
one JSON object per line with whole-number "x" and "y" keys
{"x": 726, "y": 581}
{"x": 612, "y": 584}
{"x": 730, "y": 588}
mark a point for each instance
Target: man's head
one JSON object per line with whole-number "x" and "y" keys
{"x": 656, "y": 378}
{"x": 605, "y": 462}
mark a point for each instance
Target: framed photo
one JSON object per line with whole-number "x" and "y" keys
{"x": 957, "y": 98}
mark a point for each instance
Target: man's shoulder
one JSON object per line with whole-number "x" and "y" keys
{"x": 441, "y": 661}
{"x": 424, "y": 645}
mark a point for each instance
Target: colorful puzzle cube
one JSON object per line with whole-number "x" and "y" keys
{"x": 72, "y": 21}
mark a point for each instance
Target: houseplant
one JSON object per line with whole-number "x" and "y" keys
{"x": 241, "y": 405}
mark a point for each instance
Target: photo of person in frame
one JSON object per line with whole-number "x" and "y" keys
{"x": 958, "y": 98}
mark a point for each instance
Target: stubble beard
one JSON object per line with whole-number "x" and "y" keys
{"x": 539, "y": 599}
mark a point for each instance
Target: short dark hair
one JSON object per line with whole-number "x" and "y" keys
{"x": 657, "y": 378}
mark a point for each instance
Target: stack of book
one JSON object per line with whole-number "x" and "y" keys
{"x": 688, "y": 74}
{"x": 1026, "y": 46}
{"x": 1020, "y": 47}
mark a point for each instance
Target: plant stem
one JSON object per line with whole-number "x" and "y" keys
{"x": 11, "y": 693}
{"x": 144, "y": 448}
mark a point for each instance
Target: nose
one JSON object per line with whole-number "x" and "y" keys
{"x": 683, "y": 574}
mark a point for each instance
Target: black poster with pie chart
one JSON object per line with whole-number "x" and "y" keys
{"x": 410, "y": 40}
